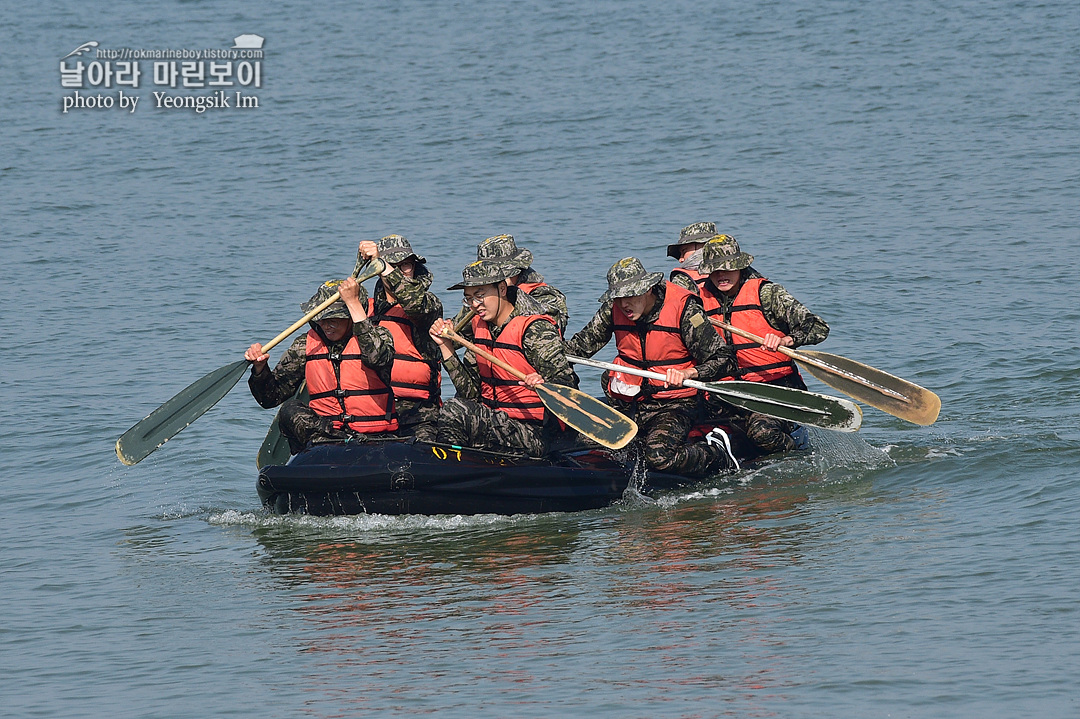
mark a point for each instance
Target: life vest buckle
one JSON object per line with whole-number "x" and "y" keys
{"x": 335, "y": 356}
{"x": 339, "y": 392}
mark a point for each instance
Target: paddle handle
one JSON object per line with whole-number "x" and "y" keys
{"x": 482, "y": 353}
{"x": 373, "y": 264}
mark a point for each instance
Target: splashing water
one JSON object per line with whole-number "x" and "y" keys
{"x": 634, "y": 458}
{"x": 848, "y": 450}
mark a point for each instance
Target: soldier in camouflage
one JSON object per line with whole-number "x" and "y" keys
{"x": 687, "y": 250}
{"x": 406, "y": 282}
{"x": 474, "y": 418}
{"x": 740, "y": 296}
{"x": 521, "y": 274}
{"x": 344, "y": 319}
{"x": 641, "y": 301}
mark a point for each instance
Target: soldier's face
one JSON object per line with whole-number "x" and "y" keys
{"x": 335, "y": 328}
{"x": 689, "y": 249}
{"x": 407, "y": 268}
{"x": 725, "y": 280}
{"x": 637, "y": 306}
{"x": 485, "y": 300}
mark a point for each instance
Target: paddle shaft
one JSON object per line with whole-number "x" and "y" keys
{"x": 705, "y": 386}
{"x": 307, "y": 318}
{"x": 483, "y": 353}
{"x": 800, "y": 357}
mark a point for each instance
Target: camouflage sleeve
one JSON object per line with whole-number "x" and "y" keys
{"x": 464, "y": 375}
{"x": 713, "y": 357}
{"x": 791, "y": 317}
{"x": 271, "y": 388}
{"x": 376, "y": 344}
{"x": 421, "y": 306}
{"x": 543, "y": 347}
{"x": 554, "y": 304}
{"x": 683, "y": 280}
{"x": 592, "y": 338}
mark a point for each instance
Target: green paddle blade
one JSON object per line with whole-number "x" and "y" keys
{"x": 588, "y": 415}
{"x": 180, "y": 411}
{"x": 882, "y": 390}
{"x": 274, "y": 451}
{"x": 795, "y": 405}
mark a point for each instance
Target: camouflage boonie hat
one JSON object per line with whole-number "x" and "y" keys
{"x": 481, "y": 272}
{"x": 697, "y": 232}
{"x": 395, "y": 249}
{"x": 628, "y": 278}
{"x": 503, "y": 247}
{"x": 722, "y": 252}
{"x": 338, "y": 309}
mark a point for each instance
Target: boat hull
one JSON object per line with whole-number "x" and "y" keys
{"x": 404, "y": 476}
{"x": 409, "y": 477}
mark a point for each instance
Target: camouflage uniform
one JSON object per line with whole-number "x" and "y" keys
{"x": 465, "y": 420}
{"x": 663, "y": 424}
{"x": 416, "y": 417}
{"x": 299, "y": 424}
{"x": 788, "y": 316}
{"x": 504, "y": 249}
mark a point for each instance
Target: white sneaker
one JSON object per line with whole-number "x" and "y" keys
{"x": 719, "y": 438}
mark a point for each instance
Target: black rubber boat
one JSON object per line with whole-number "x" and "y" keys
{"x": 410, "y": 477}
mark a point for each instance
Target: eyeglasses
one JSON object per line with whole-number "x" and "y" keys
{"x": 477, "y": 299}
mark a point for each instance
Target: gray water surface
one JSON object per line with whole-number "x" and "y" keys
{"x": 908, "y": 170}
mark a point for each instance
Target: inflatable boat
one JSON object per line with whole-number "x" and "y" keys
{"x": 404, "y": 476}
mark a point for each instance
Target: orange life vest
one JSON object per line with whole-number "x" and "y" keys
{"x": 698, "y": 278}
{"x": 498, "y": 388}
{"x": 756, "y": 364}
{"x": 656, "y": 347}
{"x": 528, "y": 287}
{"x": 412, "y": 376}
{"x": 360, "y": 400}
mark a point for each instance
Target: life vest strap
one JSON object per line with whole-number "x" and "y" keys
{"x": 646, "y": 364}
{"x": 333, "y": 356}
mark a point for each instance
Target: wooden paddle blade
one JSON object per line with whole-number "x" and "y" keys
{"x": 274, "y": 451}
{"x": 588, "y": 415}
{"x": 794, "y": 405}
{"x": 874, "y": 387}
{"x": 187, "y": 406}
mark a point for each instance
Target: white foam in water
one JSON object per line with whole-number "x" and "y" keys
{"x": 365, "y": 522}
{"x": 828, "y": 451}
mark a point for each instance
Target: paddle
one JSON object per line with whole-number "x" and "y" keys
{"x": 583, "y": 412}
{"x": 795, "y": 405}
{"x": 190, "y": 403}
{"x": 884, "y": 391}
